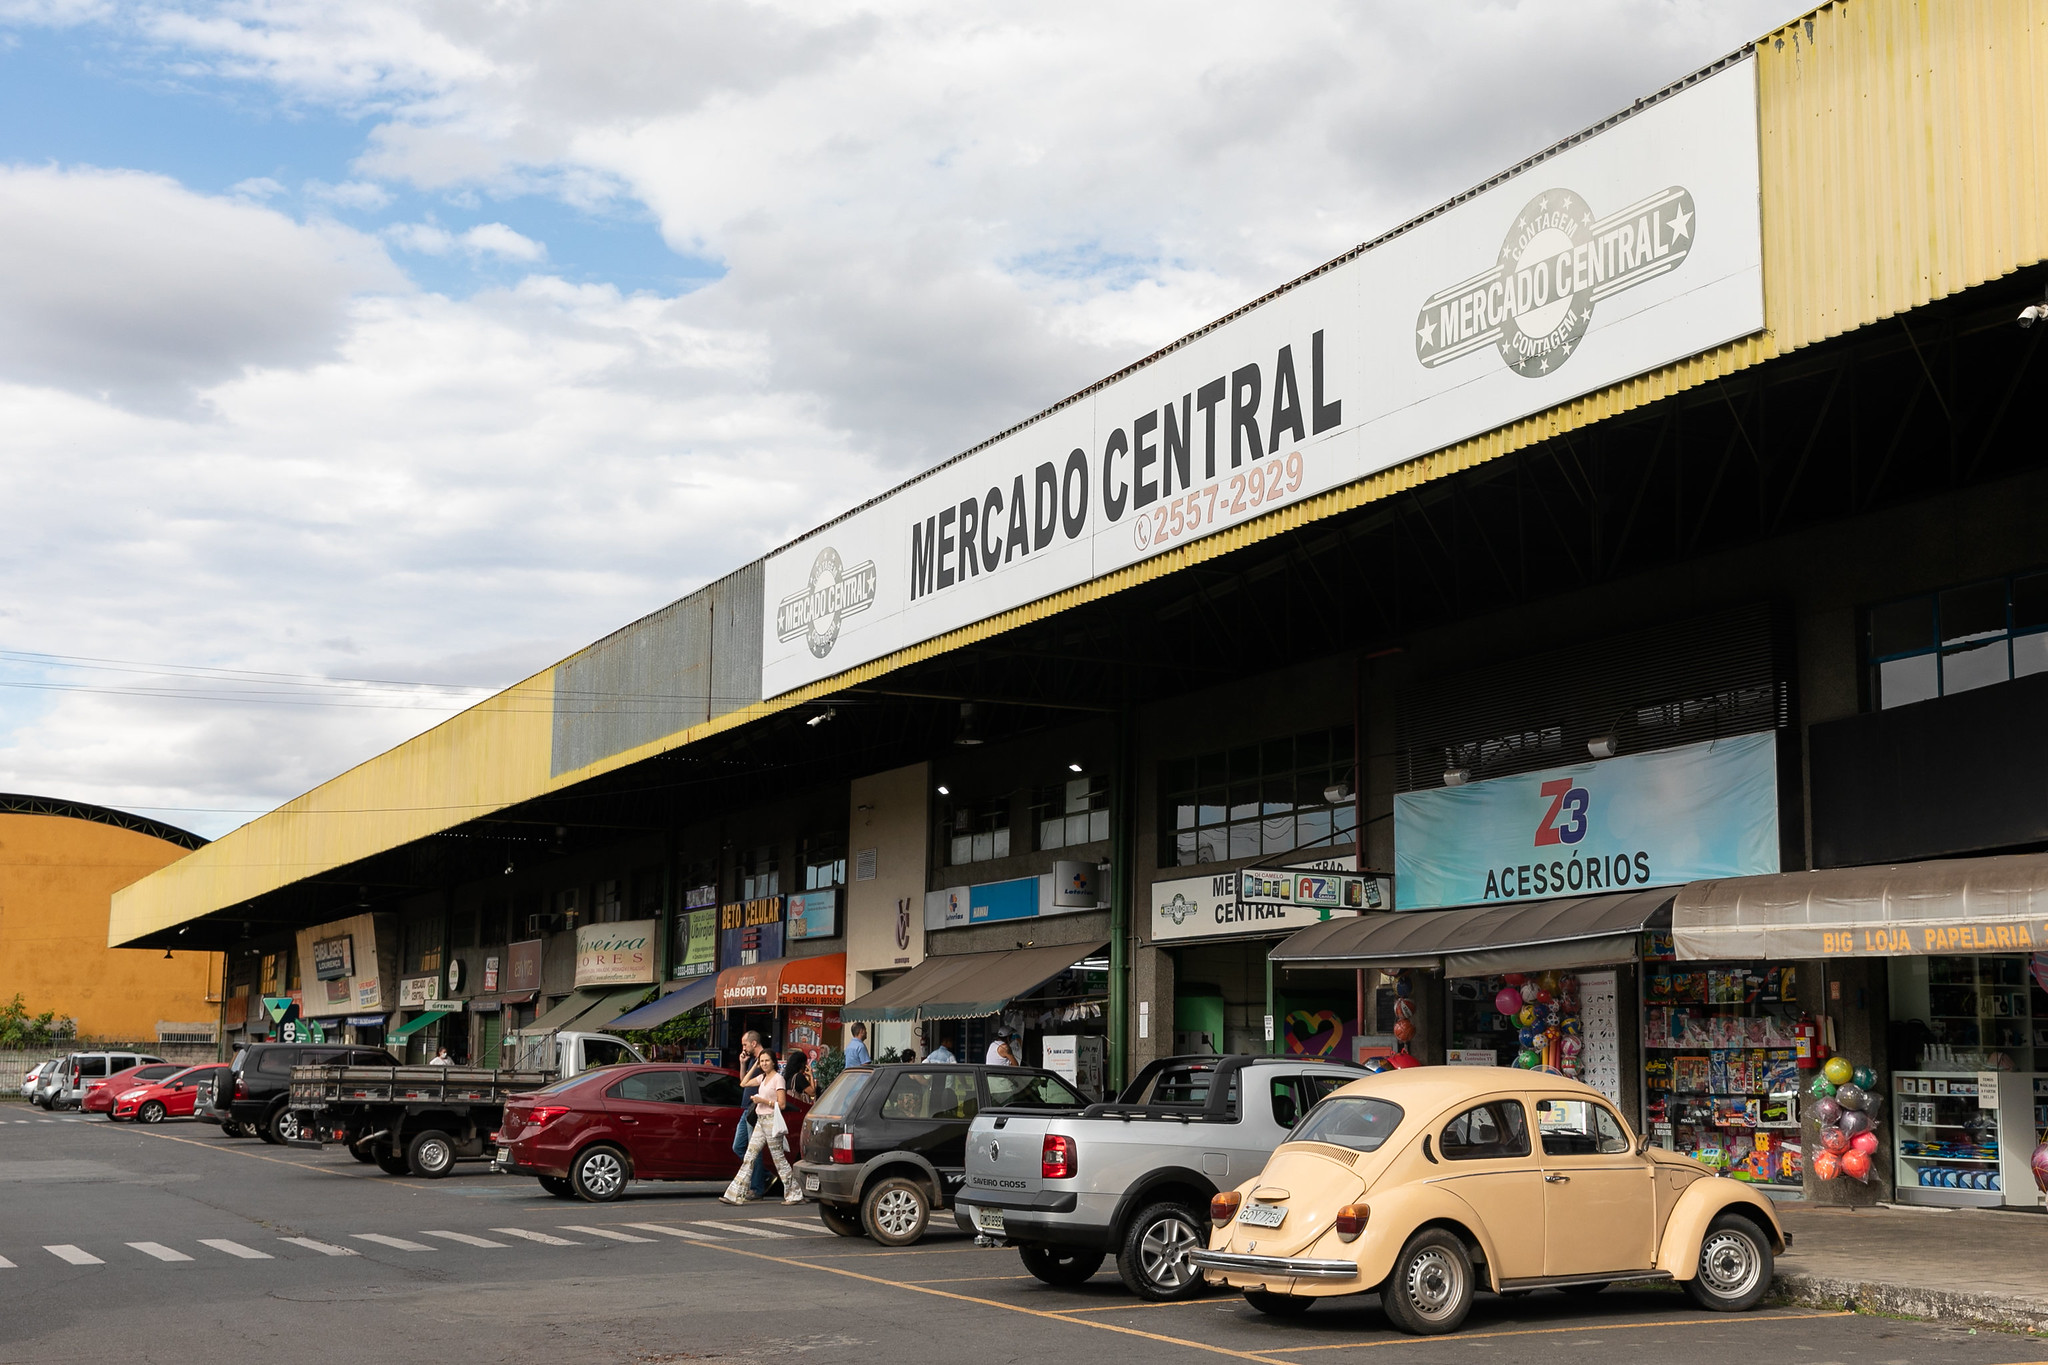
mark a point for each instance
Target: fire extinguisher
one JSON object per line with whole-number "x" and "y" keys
{"x": 1810, "y": 1051}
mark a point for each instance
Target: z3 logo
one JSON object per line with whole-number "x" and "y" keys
{"x": 1565, "y": 799}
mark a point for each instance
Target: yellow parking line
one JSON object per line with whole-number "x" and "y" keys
{"x": 1718, "y": 1321}
{"x": 1134, "y": 1307}
{"x": 972, "y": 1279}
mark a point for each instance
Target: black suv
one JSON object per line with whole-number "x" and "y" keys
{"x": 254, "y": 1095}
{"x": 885, "y": 1145}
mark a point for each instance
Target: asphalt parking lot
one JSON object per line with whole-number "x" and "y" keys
{"x": 176, "y": 1244}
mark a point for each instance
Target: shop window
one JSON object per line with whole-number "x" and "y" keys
{"x": 824, "y": 862}
{"x": 1072, "y": 813}
{"x": 607, "y": 903}
{"x": 1721, "y": 1077}
{"x": 423, "y": 939}
{"x": 1958, "y": 639}
{"x": 760, "y": 873}
{"x": 1493, "y": 1131}
{"x": 1256, "y": 800}
{"x": 977, "y": 831}
{"x": 273, "y": 974}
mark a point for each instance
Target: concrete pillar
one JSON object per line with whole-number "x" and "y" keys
{"x": 1152, "y": 984}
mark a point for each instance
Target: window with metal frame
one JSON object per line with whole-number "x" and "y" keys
{"x": 1071, "y": 813}
{"x": 977, "y": 831}
{"x": 1940, "y": 643}
{"x": 1256, "y": 799}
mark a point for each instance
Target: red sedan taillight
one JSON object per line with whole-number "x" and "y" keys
{"x": 542, "y": 1114}
{"x": 1057, "y": 1158}
{"x": 842, "y": 1149}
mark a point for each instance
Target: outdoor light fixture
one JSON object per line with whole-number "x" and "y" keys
{"x": 823, "y": 716}
{"x": 1073, "y": 767}
{"x": 945, "y": 790}
{"x": 1604, "y": 746}
{"x": 508, "y": 867}
{"x": 1337, "y": 793}
{"x": 2034, "y": 312}
{"x": 970, "y": 728}
{"x": 1457, "y": 777}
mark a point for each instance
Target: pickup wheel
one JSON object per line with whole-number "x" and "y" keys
{"x": 1735, "y": 1266}
{"x": 1062, "y": 1266}
{"x": 844, "y": 1222}
{"x": 392, "y": 1163}
{"x": 1278, "y": 1305}
{"x": 1429, "y": 1290}
{"x": 558, "y": 1187}
{"x": 1154, "y": 1260}
{"x": 895, "y": 1211}
{"x": 430, "y": 1154}
{"x": 598, "y": 1174}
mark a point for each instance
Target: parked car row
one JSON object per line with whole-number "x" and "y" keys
{"x": 65, "y": 1082}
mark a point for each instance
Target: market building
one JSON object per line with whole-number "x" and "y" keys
{"x": 1622, "y": 587}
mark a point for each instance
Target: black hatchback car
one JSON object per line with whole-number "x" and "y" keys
{"x": 254, "y": 1093}
{"x": 885, "y": 1145}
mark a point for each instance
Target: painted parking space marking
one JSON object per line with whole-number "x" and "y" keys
{"x": 605, "y": 1233}
{"x": 6, "y": 1264}
{"x": 465, "y": 1238}
{"x": 160, "y": 1251}
{"x": 743, "y": 1228}
{"x": 675, "y": 1231}
{"x": 395, "y": 1243}
{"x": 1731, "y": 1320}
{"x": 324, "y": 1248}
{"x": 544, "y": 1238}
{"x": 814, "y": 1229}
{"x": 76, "y": 1255}
{"x": 235, "y": 1249}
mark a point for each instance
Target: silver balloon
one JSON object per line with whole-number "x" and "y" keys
{"x": 1850, "y": 1096}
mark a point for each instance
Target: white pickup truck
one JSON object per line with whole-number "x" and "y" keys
{"x": 1134, "y": 1177}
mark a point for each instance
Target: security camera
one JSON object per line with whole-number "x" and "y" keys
{"x": 2033, "y": 313}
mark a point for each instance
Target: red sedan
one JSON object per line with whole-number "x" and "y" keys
{"x": 586, "y": 1137}
{"x": 173, "y": 1097}
{"x": 99, "y": 1097}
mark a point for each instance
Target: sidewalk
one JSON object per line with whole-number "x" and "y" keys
{"x": 1957, "y": 1265}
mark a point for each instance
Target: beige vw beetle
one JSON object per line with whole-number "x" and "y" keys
{"x": 1427, "y": 1184}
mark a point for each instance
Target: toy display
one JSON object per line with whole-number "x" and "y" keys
{"x": 1527, "y": 1019}
{"x": 1721, "y": 1068}
{"x": 1844, "y": 1143}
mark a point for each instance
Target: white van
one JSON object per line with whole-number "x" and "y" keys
{"x": 76, "y": 1074}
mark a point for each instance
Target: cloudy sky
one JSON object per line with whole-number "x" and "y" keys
{"x": 356, "y": 357}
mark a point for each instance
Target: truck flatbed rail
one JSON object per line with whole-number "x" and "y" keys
{"x": 316, "y": 1087}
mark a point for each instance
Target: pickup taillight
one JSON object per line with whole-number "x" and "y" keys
{"x": 842, "y": 1149}
{"x": 1057, "y": 1157}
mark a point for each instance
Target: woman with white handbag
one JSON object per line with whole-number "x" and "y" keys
{"x": 770, "y": 1133}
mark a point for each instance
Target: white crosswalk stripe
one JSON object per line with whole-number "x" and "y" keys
{"x": 160, "y": 1251}
{"x": 395, "y": 1243}
{"x": 75, "y": 1255}
{"x": 324, "y": 1248}
{"x": 743, "y": 1228}
{"x": 815, "y": 1229}
{"x": 465, "y": 1238}
{"x": 690, "y": 1233}
{"x": 605, "y": 1233}
{"x": 235, "y": 1249}
{"x": 544, "y": 1238}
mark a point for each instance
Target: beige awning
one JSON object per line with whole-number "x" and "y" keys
{"x": 1954, "y": 905}
{"x": 1557, "y": 935}
{"x": 967, "y": 985}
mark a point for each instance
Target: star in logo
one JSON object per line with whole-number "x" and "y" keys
{"x": 1427, "y": 334}
{"x": 1681, "y": 224}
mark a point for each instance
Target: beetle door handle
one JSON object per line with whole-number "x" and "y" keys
{"x": 1557, "y": 1180}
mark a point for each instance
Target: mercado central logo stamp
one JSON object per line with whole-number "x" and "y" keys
{"x": 832, "y": 594}
{"x": 1535, "y": 302}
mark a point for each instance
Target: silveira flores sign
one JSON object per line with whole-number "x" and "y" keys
{"x": 1622, "y": 252}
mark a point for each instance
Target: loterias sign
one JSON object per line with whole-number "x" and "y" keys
{"x": 1619, "y": 253}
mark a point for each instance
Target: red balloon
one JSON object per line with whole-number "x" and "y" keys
{"x": 1513, "y": 979}
{"x": 1835, "y": 1140}
{"x": 1826, "y": 1165}
{"x": 1856, "y": 1165}
{"x": 1544, "y": 997}
{"x": 1865, "y": 1143}
{"x": 1403, "y": 1059}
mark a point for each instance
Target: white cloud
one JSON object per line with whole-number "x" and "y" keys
{"x": 349, "y": 194}
{"x": 258, "y": 187}
{"x": 485, "y": 239}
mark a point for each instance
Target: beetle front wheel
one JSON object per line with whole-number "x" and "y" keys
{"x": 1735, "y": 1266}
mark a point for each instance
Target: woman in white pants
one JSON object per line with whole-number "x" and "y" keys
{"x": 770, "y": 1133}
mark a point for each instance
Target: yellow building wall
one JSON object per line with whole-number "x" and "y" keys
{"x": 57, "y": 879}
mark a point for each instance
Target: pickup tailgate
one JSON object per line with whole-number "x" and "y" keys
{"x": 1004, "y": 1156}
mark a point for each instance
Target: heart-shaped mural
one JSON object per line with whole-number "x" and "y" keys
{"x": 1314, "y": 1035}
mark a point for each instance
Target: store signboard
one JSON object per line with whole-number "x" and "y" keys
{"x": 334, "y": 958}
{"x": 620, "y": 953}
{"x": 523, "y": 959}
{"x": 1664, "y": 818}
{"x": 750, "y": 931}
{"x": 697, "y": 944}
{"x": 369, "y": 994}
{"x": 1630, "y": 249}
{"x": 813, "y": 914}
{"x": 1313, "y": 890}
{"x": 1063, "y": 892}
{"x": 1262, "y": 900}
{"x": 330, "y": 955}
{"x": 415, "y": 991}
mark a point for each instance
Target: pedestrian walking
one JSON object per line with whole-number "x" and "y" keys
{"x": 770, "y": 1133}
{"x": 857, "y": 1046}
{"x": 797, "y": 1077}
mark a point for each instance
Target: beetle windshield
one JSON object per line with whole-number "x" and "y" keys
{"x": 1359, "y": 1122}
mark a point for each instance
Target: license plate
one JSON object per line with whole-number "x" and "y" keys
{"x": 1262, "y": 1215}
{"x": 504, "y": 1156}
{"x": 811, "y": 1184}
{"x": 988, "y": 1220}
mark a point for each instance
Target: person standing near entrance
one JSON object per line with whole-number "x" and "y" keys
{"x": 441, "y": 1058}
{"x": 943, "y": 1053}
{"x": 857, "y": 1046}
{"x": 999, "y": 1050}
{"x": 770, "y": 1133}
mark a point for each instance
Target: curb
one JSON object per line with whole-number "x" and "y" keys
{"x": 2002, "y": 1311}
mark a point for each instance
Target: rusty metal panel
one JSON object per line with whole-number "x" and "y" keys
{"x": 738, "y": 611}
{"x": 651, "y": 679}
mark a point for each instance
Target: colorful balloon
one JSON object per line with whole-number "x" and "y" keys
{"x": 1526, "y": 1015}
{"x": 1529, "y": 989}
{"x": 1856, "y": 1165}
{"x": 1528, "y": 1059}
{"x": 1839, "y": 1070}
{"x": 1834, "y": 1140}
{"x": 1826, "y": 1165}
{"x": 1513, "y": 979}
{"x": 1850, "y": 1096}
{"x": 1544, "y": 997}
{"x": 1865, "y": 1077}
{"x": 1821, "y": 1088}
{"x": 1404, "y": 1029}
{"x": 1854, "y": 1122}
{"x": 1828, "y": 1111}
{"x": 1864, "y": 1142}
{"x": 2041, "y": 1167}
{"x": 1509, "y": 1001}
{"x": 1378, "y": 1064}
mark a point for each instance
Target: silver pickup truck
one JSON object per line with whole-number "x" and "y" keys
{"x": 1134, "y": 1177}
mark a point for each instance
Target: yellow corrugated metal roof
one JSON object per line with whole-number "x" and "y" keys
{"x": 1904, "y": 158}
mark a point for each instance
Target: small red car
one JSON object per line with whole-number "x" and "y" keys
{"x": 173, "y": 1097}
{"x": 99, "y": 1096}
{"x": 586, "y": 1137}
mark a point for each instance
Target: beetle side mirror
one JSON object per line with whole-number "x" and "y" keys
{"x": 1642, "y": 1144}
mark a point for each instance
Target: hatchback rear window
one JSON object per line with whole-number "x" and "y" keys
{"x": 840, "y": 1095}
{"x": 1359, "y": 1122}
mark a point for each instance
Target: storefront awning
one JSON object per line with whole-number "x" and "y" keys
{"x": 412, "y": 1026}
{"x": 617, "y": 1001}
{"x": 785, "y": 981}
{"x": 574, "y": 1006}
{"x": 1956, "y": 905}
{"x": 967, "y": 985}
{"x": 653, "y": 1014}
{"x": 1583, "y": 931}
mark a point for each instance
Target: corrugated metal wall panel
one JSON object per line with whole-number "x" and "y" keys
{"x": 651, "y": 679}
{"x": 736, "y": 651}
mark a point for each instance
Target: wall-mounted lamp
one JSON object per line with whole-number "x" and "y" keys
{"x": 1604, "y": 746}
{"x": 1073, "y": 767}
{"x": 945, "y": 790}
{"x": 1457, "y": 777}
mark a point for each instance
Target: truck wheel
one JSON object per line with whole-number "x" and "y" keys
{"x": 558, "y": 1187}
{"x": 1735, "y": 1266}
{"x": 363, "y": 1152}
{"x": 895, "y": 1211}
{"x": 431, "y": 1154}
{"x": 844, "y": 1222}
{"x": 1429, "y": 1290}
{"x": 1062, "y": 1266}
{"x": 392, "y": 1163}
{"x": 1154, "y": 1259}
{"x": 1278, "y": 1305}
{"x": 598, "y": 1174}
